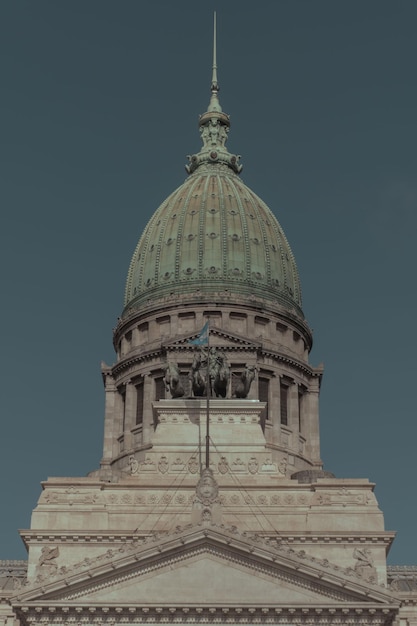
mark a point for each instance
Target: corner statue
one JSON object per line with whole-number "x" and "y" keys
{"x": 172, "y": 380}
{"x": 215, "y": 363}
{"x": 245, "y": 381}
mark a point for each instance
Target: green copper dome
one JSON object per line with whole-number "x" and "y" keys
{"x": 213, "y": 234}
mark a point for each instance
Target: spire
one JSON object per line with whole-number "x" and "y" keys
{"x": 214, "y": 127}
{"x": 214, "y": 100}
{"x": 214, "y": 75}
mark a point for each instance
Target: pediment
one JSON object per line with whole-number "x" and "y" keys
{"x": 208, "y": 577}
{"x": 202, "y": 565}
{"x": 218, "y": 338}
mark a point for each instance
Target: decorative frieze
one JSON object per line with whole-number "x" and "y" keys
{"x": 343, "y": 496}
{"x": 282, "y": 498}
{"x": 70, "y": 496}
{"x": 230, "y": 464}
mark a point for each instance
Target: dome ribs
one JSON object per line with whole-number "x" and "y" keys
{"x": 259, "y": 261}
{"x": 157, "y": 248}
{"x": 202, "y": 230}
{"x": 254, "y": 200}
{"x": 245, "y": 231}
{"x": 223, "y": 226}
{"x": 288, "y": 265}
{"x": 212, "y": 232}
{"x": 135, "y": 281}
{"x": 182, "y": 209}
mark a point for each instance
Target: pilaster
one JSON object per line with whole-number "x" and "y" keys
{"x": 148, "y": 418}
{"x": 311, "y": 422}
{"x": 110, "y": 422}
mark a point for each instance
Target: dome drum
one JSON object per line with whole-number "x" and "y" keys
{"x": 199, "y": 304}
{"x": 276, "y": 345}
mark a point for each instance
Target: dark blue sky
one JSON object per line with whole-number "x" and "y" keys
{"x": 99, "y": 108}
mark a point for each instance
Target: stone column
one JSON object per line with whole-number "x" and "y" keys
{"x": 119, "y": 417}
{"x": 130, "y": 414}
{"x": 110, "y": 434}
{"x": 147, "y": 424}
{"x": 311, "y": 422}
{"x": 303, "y": 406}
{"x": 275, "y": 409}
{"x": 293, "y": 411}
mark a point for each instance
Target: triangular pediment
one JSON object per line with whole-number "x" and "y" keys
{"x": 208, "y": 577}
{"x": 202, "y": 565}
{"x": 218, "y": 337}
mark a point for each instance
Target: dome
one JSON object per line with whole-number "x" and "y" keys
{"x": 213, "y": 234}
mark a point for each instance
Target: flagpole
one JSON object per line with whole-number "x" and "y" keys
{"x": 208, "y": 393}
{"x": 202, "y": 339}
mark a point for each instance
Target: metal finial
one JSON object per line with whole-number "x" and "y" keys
{"x": 214, "y": 126}
{"x": 214, "y": 105}
{"x": 214, "y": 84}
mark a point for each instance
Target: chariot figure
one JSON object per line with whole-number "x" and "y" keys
{"x": 172, "y": 380}
{"x": 219, "y": 372}
{"x": 215, "y": 364}
{"x": 197, "y": 377}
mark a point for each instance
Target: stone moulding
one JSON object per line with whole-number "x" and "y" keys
{"x": 360, "y": 538}
{"x": 200, "y": 298}
{"x": 133, "y": 559}
{"x": 125, "y": 364}
{"x": 365, "y": 615}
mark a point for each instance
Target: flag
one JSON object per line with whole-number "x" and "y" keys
{"x": 202, "y": 337}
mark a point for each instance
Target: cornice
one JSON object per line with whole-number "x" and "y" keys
{"x": 142, "y": 357}
{"x": 12, "y": 565}
{"x": 321, "y": 615}
{"x": 404, "y": 570}
{"x": 99, "y": 537}
{"x": 260, "y": 555}
{"x": 242, "y": 345}
{"x": 407, "y": 598}
{"x": 295, "y": 363}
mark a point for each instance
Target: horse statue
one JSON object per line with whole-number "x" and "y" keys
{"x": 198, "y": 381}
{"x": 172, "y": 380}
{"x": 246, "y": 378}
{"x": 219, "y": 372}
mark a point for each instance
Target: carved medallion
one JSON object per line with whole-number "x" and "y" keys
{"x": 163, "y": 465}
{"x": 193, "y": 465}
{"x": 207, "y": 488}
{"x": 223, "y": 465}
